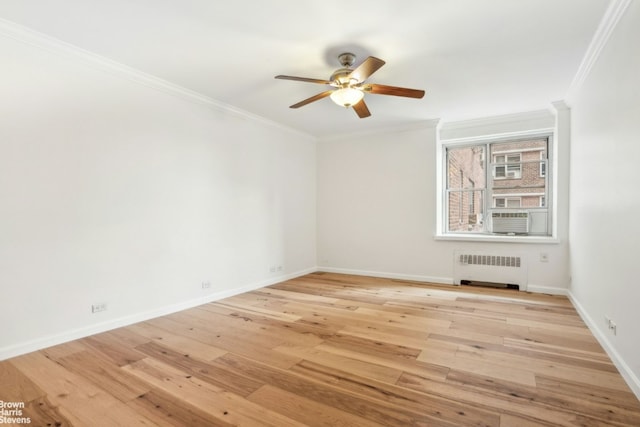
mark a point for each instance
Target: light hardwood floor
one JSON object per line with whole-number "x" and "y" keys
{"x": 334, "y": 350}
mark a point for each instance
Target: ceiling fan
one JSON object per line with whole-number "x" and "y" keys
{"x": 349, "y": 85}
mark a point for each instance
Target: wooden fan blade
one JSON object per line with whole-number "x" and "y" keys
{"x": 393, "y": 90}
{"x": 303, "y": 79}
{"x": 368, "y": 67}
{"x": 312, "y": 99}
{"x": 361, "y": 109}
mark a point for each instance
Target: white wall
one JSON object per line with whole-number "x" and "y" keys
{"x": 113, "y": 192}
{"x": 605, "y": 195}
{"x": 377, "y": 206}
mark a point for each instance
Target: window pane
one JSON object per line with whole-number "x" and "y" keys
{"x": 513, "y": 203}
{"x": 519, "y": 168}
{"x": 466, "y": 210}
{"x": 465, "y": 167}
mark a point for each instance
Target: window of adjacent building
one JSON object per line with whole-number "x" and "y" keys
{"x": 486, "y": 182}
{"x": 507, "y": 166}
{"x": 506, "y": 202}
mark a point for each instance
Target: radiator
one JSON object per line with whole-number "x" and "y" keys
{"x": 508, "y": 269}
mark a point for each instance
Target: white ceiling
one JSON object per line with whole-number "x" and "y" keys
{"x": 474, "y": 58}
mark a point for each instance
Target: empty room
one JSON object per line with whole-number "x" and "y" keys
{"x": 290, "y": 213}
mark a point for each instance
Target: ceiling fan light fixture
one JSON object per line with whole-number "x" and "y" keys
{"x": 347, "y": 96}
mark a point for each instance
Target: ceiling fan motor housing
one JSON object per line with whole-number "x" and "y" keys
{"x": 341, "y": 77}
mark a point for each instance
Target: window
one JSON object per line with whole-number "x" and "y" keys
{"x": 506, "y": 202}
{"x": 497, "y": 176}
{"x": 507, "y": 166}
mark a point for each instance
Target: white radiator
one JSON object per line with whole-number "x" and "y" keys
{"x": 508, "y": 269}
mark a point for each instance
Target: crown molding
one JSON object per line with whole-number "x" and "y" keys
{"x": 525, "y": 116}
{"x": 58, "y": 47}
{"x": 408, "y": 127}
{"x": 560, "y": 105}
{"x": 607, "y": 25}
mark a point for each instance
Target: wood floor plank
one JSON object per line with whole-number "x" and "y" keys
{"x": 502, "y": 398}
{"x": 479, "y": 366}
{"x": 330, "y": 349}
{"x": 225, "y": 340}
{"x": 216, "y": 401}
{"x": 362, "y": 406}
{"x": 41, "y": 412}
{"x": 78, "y": 400}
{"x": 366, "y": 368}
{"x": 550, "y": 399}
{"x": 113, "y": 348}
{"x": 307, "y": 411}
{"x": 177, "y": 342}
{"x": 65, "y": 349}
{"x": 203, "y": 370}
{"x": 273, "y": 331}
{"x": 534, "y": 359}
{"x": 165, "y": 410}
{"x": 19, "y": 387}
{"x": 104, "y": 375}
{"x": 437, "y": 409}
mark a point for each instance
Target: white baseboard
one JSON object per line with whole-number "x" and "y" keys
{"x": 632, "y": 380}
{"x": 55, "y": 339}
{"x": 547, "y": 290}
{"x": 432, "y": 279}
{"x": 386, "y": 275}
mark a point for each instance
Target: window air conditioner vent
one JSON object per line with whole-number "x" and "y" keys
{"x": 510, "y": 222}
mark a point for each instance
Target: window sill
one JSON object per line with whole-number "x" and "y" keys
{"x": 498, "y": 238}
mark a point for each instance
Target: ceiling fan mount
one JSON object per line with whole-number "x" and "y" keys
{"x": 349, "y": 85}
{"x": 347, "y": 59}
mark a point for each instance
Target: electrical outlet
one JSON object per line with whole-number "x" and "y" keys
{"x": 97, "y": 308}
{"x": 613, "y": 327}
{"x": 280, "y": 268}
{"x": 206, "y": 285}
{"x": 272, "y": 269}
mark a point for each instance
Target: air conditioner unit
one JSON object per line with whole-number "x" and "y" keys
{"x": 510, "y": 222}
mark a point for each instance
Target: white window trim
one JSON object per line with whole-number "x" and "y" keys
{"x": 440, "y": 189}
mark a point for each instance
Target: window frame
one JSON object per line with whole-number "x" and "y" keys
{"x": 550, "y": 212}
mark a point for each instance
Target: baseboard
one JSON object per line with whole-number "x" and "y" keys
{"x": 51, "y": 340}
{"x": 386, "y": 275}
{"x": 546, "y": 290}
{"x": 631, "y": 379}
